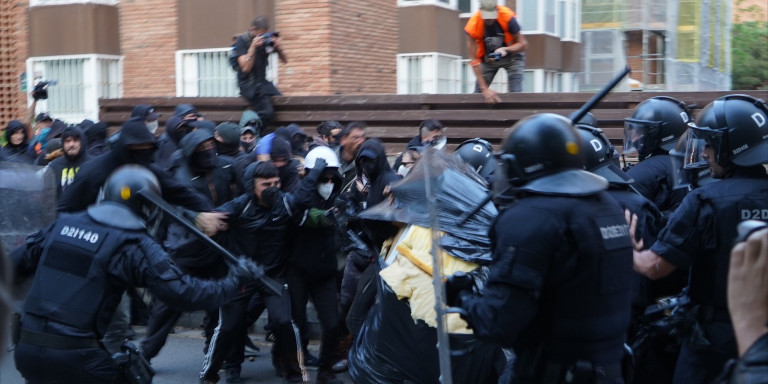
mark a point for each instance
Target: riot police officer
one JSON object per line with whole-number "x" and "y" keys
{"x": 730, "y": 136}
{"x": 558, "y": 289}
{"x": 478, "y": 153}
{"x": 82, "y": 264}
{"x": 652, "y": 131}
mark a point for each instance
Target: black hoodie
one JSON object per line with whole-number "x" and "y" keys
{"x": 96, "y": 136}
{"x": 219, "y": 184}
{"x": 16, "y": 153}
{"x": 85, "y": 189}
{"x": 64, "y": 167}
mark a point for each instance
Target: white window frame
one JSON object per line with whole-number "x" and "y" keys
{"x": 92, "y": 82}
{"x": 187, "y": 71}
{"x": 450, "y": 4}
{"x": 572, "y": 19}
{"x": 42, "y": 3}
{"x": 429, "y": 72}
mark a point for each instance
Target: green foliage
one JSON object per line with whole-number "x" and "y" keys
{"x": 750, "y": 55}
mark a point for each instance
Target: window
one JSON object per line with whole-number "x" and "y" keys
{"x": 688, "y": 25}
{"x": 81, "y": 81}
{"x": 428, "y": 73}
{"x": 603, "y": 57}
{"x": 37, "y": 3}
{"x": 208, "y": 73}
{"x": 451, "y": 4}
{"x": 560, "y": 18}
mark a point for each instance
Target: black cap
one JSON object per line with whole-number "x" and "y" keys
{"x": 42, "y": 117}
{"x": 145, "y": 111}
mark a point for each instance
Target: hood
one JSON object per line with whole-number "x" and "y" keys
{"x": 74, "y": 131}
{"x": 190, "y": 142}
{"x": 96, "y": 132}
{"x": 182, "y": 110}
{"x": 207, "y": 125}
{"x": 249, "y": 116}
{"x": 57, "y": 128}
{"x": 85, "y": 124}
{"x": 374, "y": 148}
{"x": 11, "y": 128}
{"x": 134, "y": 131}
{"x": 283, "y": 133}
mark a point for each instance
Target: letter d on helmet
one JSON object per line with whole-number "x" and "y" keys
{"x": 543, "y": 154}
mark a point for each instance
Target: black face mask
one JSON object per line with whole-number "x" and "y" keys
{"x": 269, "y": 196}
{"x": 140, "y": 156}
{"x": 370, "y": 169}
{"x": 204, "y": 160}
{"x": 248, "y": 147}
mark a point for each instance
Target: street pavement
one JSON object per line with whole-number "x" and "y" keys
{"x": 181, "y": 358}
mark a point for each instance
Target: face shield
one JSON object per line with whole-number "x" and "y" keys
{"x": 702, "y": 144}
{"x": 639, "y": 135}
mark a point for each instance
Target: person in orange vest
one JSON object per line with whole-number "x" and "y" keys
{"x": 495, "y": 41}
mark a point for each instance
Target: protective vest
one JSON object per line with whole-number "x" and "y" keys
{"x": 584, "y": 300}
{"x": 721, "y": 207}
{"x": 475, "y": 28}
{"x": 71, "y": 282}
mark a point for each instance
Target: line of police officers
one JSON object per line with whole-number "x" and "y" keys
{"x": 560, "y": 287}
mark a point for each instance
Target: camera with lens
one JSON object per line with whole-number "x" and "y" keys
{"x": 268, "y": 38}
{"x": 40, "y": 90}
{"x": 495, "y": 56}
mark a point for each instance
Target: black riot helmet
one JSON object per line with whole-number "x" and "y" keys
{"x": 588, "y": 119}
{"x": 543, "y": 154}
{"x": 478, "y": 153}
{"x": 599, "y": 154}
{"x": 120, "y": 204}
{"x": 656, "y": 124}
{"x": 735, "y": 127}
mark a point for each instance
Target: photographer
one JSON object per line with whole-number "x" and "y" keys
{"x": 252, "y": 50}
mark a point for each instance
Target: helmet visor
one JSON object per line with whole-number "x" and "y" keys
{"x": 638, "y": 135}
{"x": 702, "y": 144}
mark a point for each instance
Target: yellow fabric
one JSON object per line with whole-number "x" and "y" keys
{"x": 413, "y": 281}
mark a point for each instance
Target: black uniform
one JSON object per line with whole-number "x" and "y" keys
{"x": 700, "y": 234}
{"x": 654, "y": 179}
{"x": 82, "y": 268}
{"x": 558, "y": 290}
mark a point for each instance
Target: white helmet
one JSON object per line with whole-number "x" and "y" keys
{"x": 324, "y": 153}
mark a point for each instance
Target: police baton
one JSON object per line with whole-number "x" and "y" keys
{"x": 599, "y": 96}
{"x": 173, "y": 212}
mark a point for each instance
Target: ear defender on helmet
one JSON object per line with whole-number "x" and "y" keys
{"x": 733, "y": 129}
{"x": 656, "y": 124}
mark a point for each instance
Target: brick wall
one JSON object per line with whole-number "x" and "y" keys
{"x": 148, "y": 41}
{"x": 364, "y": 46}
{"x": 13, "y": 52}
{"x": 305, "y": 31}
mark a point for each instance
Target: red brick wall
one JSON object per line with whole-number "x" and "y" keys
{"x": 148, "y": 41}
{"x": 305, "y": 32}
{"x": 364, "y": 46}
{"x": 13, "y": 52}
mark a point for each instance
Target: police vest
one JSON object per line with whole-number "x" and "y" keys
{"x": 584, "y": 306}
{"x": 71, "y": 282}
{"x": 721, "y": 207}
{"x": 475, "y": 28}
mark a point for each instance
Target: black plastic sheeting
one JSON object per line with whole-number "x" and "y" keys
{"x": 393, "y": 348}
{"x": 27, "y": 202}
{"x": 458, "y": 189}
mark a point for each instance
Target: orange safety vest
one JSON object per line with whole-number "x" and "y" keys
{"x": 475, "y": 28}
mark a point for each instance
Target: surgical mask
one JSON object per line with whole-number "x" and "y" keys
{"x": 403, "y": 170}
{"x": 269, "y": 196}
{"x": 325, "y": 190}
{"x": 152, "y": 125}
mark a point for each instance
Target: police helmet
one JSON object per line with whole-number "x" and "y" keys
{"x": 478, "y": 153}
{"x": 735, "y": 127}
{"x": 121, "y": 190}
{"x": 599, "y": 155}
{"x": 588, "y": 119}
{"x": 656, "y": 123}
{"x": 543, "y": 154}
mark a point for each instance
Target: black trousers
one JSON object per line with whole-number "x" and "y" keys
{"x": 228, "y": 342}
{"x": 325, "y": 299}
{"x": 43, "y": 365}
{"x": 161, "y": 319}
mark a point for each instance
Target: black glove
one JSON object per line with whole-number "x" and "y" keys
{"x": 317, "y": 170}
{"x": 457, "y": 286}
{"x": 245, "y": 271}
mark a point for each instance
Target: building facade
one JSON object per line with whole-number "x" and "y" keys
{"x": 161, "y": 48}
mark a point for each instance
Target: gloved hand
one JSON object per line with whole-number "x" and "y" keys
{"x": 245, "y": 271}
{"x": 457, "y": 286}
{"x": 317, "y": 170}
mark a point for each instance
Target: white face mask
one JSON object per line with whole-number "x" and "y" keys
{"x": 325, "y": 190}
{"x": 403, "y": 170}
{"x": 152, "y": 125}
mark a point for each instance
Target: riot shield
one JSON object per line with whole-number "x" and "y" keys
{"x": 27, "y": 202}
